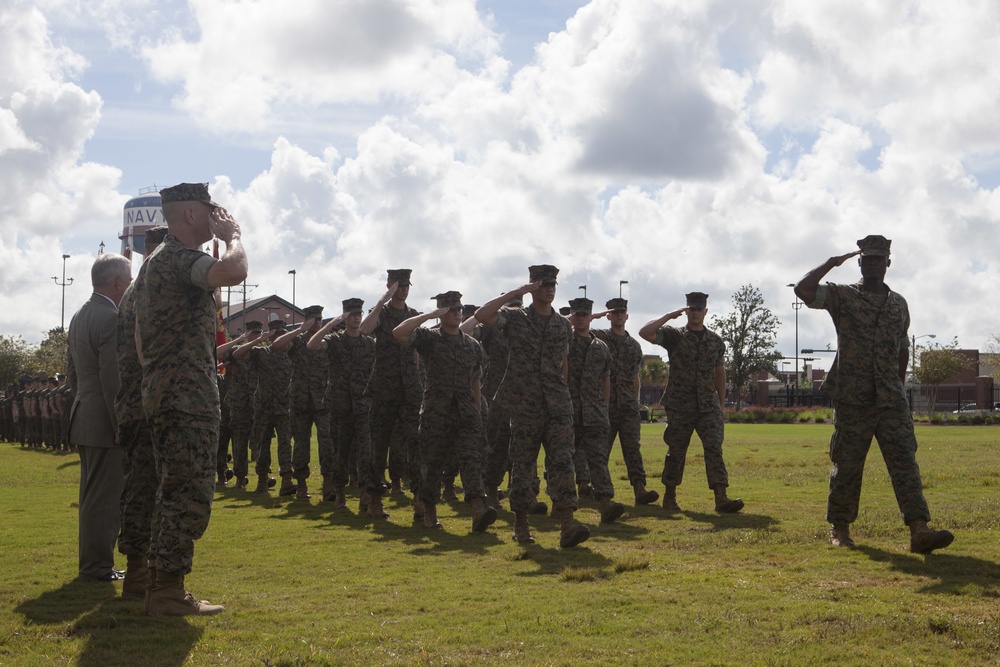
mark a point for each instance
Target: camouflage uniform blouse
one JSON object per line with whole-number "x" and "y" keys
{"x": 396, "y": 376}
{"x": 495, "y": 346}
{"x": 589, "y": 364}
{"x": 871, "y": 333}
{"x": 175, "y": 313}
{"x": 454, "y": 362}
{"x": 310, "y": 375}
{"x": 693, "y": 360}
{"x": 626, "y": 360}
{"x": 352, "y": 359}
{"x": 274, "y": 372}
{"x": 242, "y": 382}
{"x": 128, "y": 403}
{"x": 534, "y": 382}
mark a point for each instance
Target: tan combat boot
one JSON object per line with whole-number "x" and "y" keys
{"x": 329, "y": 491}
{"x": 363, "y": 502}
{"x": 288, "y": 486}
{"x": 840, "y": 535}
{"x": 538, "y": 507}
{"x": 396, "y": 488}
{"x": 610, "y": 510}
{"x": 431, "y": 518}
{"x": 670, "y": 499}
{"x": 572, "y": 532}
{"x": 483, "y": 515}
{"x": 448, "y": 493}
{"x": 493, "y": 497}
{"x": 136, "y": 577}
{"x": 644, "y": 497}
{"x": 263, "y": 484}
{"x": 168, "y": 598}
{"x": 418, "y": 509}
{"x": 923, "y": 540}
{"x": 522, "y": 534}
{"x": 724, "y": 504}
{"x": 339, "y": 497}
{"x": 375, "y": 510}
{"x": 585, "y": 490}
{"x": 302, "y": 490}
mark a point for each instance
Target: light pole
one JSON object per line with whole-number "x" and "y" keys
{"x": 584, "y": 288}
{"x": 100, "y": 248}
{"x": 795, "y": 306}
{"x": 620, "y": 283}
{"x": 913, "y": 350}
{"x": 292, "y": 273}
{"x": 62, "y": 318}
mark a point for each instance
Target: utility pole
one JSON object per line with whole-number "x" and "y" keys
{"x": 62, "y": 318}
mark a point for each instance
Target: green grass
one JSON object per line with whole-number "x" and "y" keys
{"x": 303, "y": 585}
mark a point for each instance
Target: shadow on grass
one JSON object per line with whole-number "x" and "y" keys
{"x": 954, "y": 574}
{"x": 110, "y": 627}
{"x": 739, "y": 520}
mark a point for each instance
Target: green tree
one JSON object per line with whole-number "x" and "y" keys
{"x": 750, "y": 332}
{"x": 937, "y": 364}
{"x": 15, "y": 355}
{"x": 50, "y": 356}
{"x": 655, "y": 372}
{"x": 991, "y": 357}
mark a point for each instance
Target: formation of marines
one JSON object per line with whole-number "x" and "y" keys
{"x": 395, "y": 404}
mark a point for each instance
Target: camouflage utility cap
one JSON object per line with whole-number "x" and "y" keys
{"x": 186, "y": 192}
{"x": 313, "y": 311}
{"x": 874, "y": 244}
{"x": 565, "y": 310}
{"x": 254, "y": 325}
{"x": 581, "y": 305}
{"x": 354, "y": 305}
{"x": 449, "y": 299}
{"x": 401, "y": 276}
{"x": 155, "y": 235}
{"x": 468, "y": 310}
{"x": 696, "y": 299}
{"x": 617, "y": 303}
{"x": 546, "y": 273}
{"x": 276, "y": 325}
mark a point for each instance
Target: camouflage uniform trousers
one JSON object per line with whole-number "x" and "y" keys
{"x": 225, "y": 437}
{"x": 55, "y": 431}
{"x": 139, "y": 494}
{"x": 592, "y": 443}
{"x": 625, "y": 424}
{"x": 498, "y": 441}
{"x": 268, "y": 425}
{"x": 892, "y": 428}
{"x": 394, "y": 434}
{"x": 677, "y": 435}
{"x": 352, "y": 442}
{"x": 452, "y": 465}
{"x": 446, "y": 435}
{"x": 184, "y": 449}
{"x": 302, "y": 426}
{"x": 529, "y": 432}
{"x": 241, "y": 426}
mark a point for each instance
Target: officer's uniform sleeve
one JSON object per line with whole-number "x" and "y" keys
{"x": 419, "y": 339}
{"x": 199, "y": 271}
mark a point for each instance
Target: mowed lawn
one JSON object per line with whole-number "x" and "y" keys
{"x": 304, "y": 585}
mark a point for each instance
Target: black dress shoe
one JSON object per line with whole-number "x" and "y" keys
{"x": 113, "y": 575}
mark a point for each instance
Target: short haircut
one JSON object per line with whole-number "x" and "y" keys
{"x": 107, "y": 267}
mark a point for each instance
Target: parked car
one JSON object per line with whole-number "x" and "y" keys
{"x": 971, "y": 407}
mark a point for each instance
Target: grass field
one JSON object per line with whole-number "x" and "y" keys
{"x": 303, "y": 585}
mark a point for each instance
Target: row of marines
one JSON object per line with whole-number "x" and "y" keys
{"x": 35, "y": 412}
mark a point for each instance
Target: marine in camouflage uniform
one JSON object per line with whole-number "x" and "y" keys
{"x": 693, "y": 399}
{"x": 535, "y": 389}
{"x": 240, "y": 399}
{"x": 623, "y": 411}
{"x": 395, "y": 387}
{"x": 351, "y": 357}
{"x": 306, "y": 404}
{"x": 176, "y": 321}
{"x": 589, "y": 364}
{"x": 450, "y": 420}
{"x": 270, "y": 405}
{"x": 866, "y": 385}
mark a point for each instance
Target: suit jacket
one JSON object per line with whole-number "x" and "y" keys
{"x": 92, "y": 365}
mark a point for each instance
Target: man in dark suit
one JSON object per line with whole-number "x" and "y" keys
{"x": 93, "y": 373}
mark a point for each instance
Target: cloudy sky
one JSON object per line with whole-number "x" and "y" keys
{"x": 675, "y": 144}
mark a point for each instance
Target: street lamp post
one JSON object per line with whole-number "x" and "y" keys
{"x": 62, "y": 318}
{"x": 292, "y": 273}
{"x": 620, "y": 283}
{"x": 795, "y": 306}
{"x": 584, "y": 288}
{"x": 913, "y": 350}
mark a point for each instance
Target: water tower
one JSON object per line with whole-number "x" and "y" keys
{"x": 142, "y": 212}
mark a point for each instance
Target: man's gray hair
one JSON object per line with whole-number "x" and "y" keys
{"x": 107, "y": 267}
